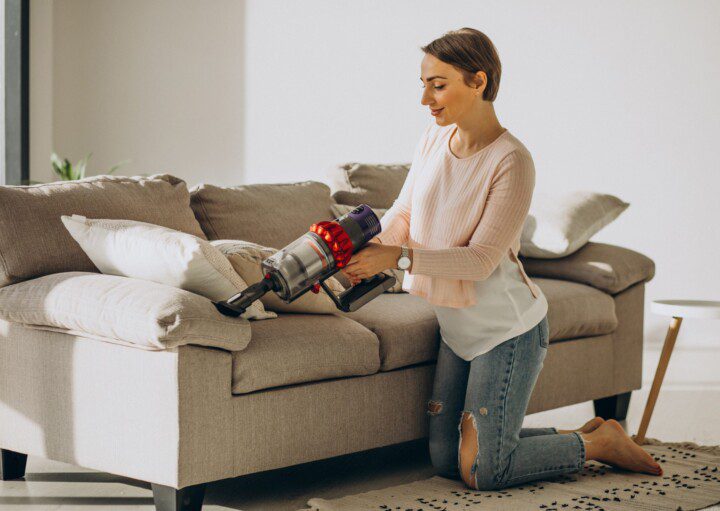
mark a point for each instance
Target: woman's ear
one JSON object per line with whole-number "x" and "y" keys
{"x": 480, "y": 82}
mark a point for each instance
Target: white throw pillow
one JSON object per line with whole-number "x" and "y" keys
{"x": 343, "y": 209}
{"x": 151, "y": 252}
{"x": 246, "y": 256}
{"x": 558, "y": 226}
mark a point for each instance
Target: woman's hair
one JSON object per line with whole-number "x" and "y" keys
{"x": 469, "y": 51}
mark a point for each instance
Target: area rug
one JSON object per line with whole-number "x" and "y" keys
{"x": 690, "y": 481}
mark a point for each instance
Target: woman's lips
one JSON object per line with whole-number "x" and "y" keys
{"x": 436, "y": 112}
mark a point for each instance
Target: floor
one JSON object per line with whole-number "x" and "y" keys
{"x": 686, "y": 410}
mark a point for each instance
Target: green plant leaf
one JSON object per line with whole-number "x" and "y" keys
{"x": 57, "y": 165}
{"x": 67, "y": 172}
{"x": 80, "y": 167}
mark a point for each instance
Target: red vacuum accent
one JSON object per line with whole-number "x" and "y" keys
{"x": 336, "y": 239}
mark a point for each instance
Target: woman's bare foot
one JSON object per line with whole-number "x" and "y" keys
{"x": 611, "y": 445}
{"x": 588, "y": 427}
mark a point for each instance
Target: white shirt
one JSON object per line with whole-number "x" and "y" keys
{"x": 505, "y": 308}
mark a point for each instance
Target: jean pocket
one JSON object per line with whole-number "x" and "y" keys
{"x": 544, "y": 334}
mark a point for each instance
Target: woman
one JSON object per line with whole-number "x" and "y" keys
{"x": 460, "y": 213}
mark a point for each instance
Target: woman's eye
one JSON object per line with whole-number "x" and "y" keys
{"x": 439, "y": 87}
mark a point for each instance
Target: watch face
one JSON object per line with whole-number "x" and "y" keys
{"x": 404, "y": 263}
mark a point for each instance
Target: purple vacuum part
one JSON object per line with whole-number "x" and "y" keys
{"x": 366, "y": 221}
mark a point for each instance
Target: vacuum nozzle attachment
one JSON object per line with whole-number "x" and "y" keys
{"x": 237, "y": 304}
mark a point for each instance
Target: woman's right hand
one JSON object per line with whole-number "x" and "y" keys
{"x": 353, "y": 280}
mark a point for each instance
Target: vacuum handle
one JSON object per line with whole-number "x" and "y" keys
{"x": 361, "y": 293}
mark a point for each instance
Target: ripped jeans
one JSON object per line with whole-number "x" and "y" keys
{"x": 495, "y": 388}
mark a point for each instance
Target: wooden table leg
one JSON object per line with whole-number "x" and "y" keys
{"x": 659, "y": 375}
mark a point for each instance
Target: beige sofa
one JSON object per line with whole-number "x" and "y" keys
{"x": 308, "y": 386}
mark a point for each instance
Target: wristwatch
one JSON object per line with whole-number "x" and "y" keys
{"x": 403, "y": 262}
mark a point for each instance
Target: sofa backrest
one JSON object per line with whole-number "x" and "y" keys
{"x": 272, "y": 215}
{"x": 34, "y": 242}
{"x": 377, "y": 185}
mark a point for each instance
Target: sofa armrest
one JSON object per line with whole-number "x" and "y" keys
{"x": 128, "y": 311}
{"x": 609, "y": 268}
{"x": 156, "y": 416}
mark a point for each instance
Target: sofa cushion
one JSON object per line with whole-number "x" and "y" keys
{"x": 609, "y": 268}
{"x": 33, "y": 241}
{"x": 376, "y": 185}
{"x": 406, "y": 326}
{"x": 139, "y": 250}
{"x": 559, "y": 224}
{"x": 297, "y": 348}
{"x": 272, "y": 215}
{"x": 576, "y": 310}
{"x": 409, "y": 332}
{"x": 121, "y": 310}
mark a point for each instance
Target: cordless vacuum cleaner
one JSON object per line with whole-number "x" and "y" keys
{"x": 307, "y": 262}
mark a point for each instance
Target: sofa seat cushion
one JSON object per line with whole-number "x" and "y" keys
{"x": 576, "y": 310}
{"x": 297, "y": 348}
{"x": 406, "y": 325}
{"x": 606, "y": 267}
{"x": 409, "y": 331}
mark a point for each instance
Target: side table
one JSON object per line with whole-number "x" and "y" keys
{"x": 677, "y": 309}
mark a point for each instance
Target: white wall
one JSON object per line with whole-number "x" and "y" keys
{"x": 618, "y": 97}
{"x": 158, "y": 82}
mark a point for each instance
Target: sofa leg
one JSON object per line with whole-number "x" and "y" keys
{"x": 613, "y": 407}
{"x": 185, "y": 499}
{"x": 12, "y": 465}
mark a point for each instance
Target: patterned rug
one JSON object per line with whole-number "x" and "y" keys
{"x": 690, "y": 480}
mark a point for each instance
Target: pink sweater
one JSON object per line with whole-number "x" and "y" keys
{"x": 460, "y": 216}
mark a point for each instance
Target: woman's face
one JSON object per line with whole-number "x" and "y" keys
{"x": 445, "y": 91}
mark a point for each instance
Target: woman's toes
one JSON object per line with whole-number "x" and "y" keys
{"x": 655, "y": 468}
{"x": 591, "y": 425}
{"x": 625, "y": 453}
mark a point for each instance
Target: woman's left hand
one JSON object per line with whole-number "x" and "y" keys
{"x": 371, "y": 260}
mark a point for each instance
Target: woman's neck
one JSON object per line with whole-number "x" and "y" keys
{"x": 477, "y": 129}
